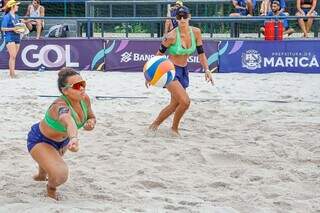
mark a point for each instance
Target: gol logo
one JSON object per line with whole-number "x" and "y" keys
{"x": 41, "y": 57}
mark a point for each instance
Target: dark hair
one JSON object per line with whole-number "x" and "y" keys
{"x": 63, "y": 76}
{"x": 276, "y": 2}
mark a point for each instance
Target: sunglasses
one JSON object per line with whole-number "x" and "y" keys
{"x": 182, "y": 15}
{"x": 77, "y": 86}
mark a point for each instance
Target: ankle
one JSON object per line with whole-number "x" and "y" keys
{"x": 51, "y": 188}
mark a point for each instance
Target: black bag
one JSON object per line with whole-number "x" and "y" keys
{"x": 58, "y": 31}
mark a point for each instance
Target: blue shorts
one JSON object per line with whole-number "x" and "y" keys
{"x": 242, "y": 12}
{"x": 35, "y": 136}
{"x": 15, "y": 40}
{"x": 182, "y": 75}
{"x": 306, "y": 10}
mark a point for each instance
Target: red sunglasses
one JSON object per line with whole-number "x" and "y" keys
{"x": 77, "y": 86}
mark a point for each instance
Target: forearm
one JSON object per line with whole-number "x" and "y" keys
{"x": 312, "y": 9}
{"x": 72, "y": 130}
{"x": 299, "y": 8}
{"x": 7, "y": 29}
{"x": 159, "y": 53}
{"x": 204, "y": 61}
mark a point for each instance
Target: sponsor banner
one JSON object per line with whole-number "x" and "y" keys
{"x": 270, "y": 56}
{"x": 131, "y": 55}
{"x": 53, "y": 54}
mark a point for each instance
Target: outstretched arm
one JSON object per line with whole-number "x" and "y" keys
{"x": 63, "y": 113}
{"x": 202, "y": 56}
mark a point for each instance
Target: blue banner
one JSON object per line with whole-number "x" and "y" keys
{"x": 270, "y": 56}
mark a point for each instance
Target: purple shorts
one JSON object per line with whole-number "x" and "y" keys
{"x": 35, "y": 136}
{"x": 182, "y": 75}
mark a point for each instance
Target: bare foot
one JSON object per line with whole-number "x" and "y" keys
{"x": 305, "y": 35}
{"x": 175, "y": 133}
{"x": 14, "y": 76}
{"x": 154, "y": 127}
{"x": 52, "y": 192}
{"x": 40, "y": 177}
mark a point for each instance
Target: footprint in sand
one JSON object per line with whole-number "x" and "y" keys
{"x": 152, "y": 184}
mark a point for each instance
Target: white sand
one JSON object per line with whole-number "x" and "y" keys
{"x": 234, "y": 155}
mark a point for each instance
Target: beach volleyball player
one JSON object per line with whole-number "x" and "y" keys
{"x": 58, "y": 131}
{"x": 180, "y": 43}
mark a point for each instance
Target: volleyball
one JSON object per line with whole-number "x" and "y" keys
{"x": 159, "y": 71}
{"x": 21, "y": 28}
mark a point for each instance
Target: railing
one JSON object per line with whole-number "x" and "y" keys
{"x": 153, "y": 21}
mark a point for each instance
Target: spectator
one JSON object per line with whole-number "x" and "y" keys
{"x": 35, "y": 10}
{"x": 170, "y": 24}
{"x": 306, "y": 8}
{"x": 276, "y": 11}
{"x": 9, "y": 25}
{"x": 266, "y": 7}
{"x": 242, "y": 8}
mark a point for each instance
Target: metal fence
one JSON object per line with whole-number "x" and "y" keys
{"x": 230, "y": 27}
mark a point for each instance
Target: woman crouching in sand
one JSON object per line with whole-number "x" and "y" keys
{"x": 49, "y": 139}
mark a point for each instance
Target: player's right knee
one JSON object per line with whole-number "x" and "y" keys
{"x": 185, "y": 102}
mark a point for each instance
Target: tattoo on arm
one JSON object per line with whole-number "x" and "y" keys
{"x": 63, "y": 110}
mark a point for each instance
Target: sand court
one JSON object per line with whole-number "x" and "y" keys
{"x": 249, "y": 144}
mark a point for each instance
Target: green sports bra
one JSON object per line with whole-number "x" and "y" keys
{"x": 58, "y": 126}
{"x": 177, "y": 49}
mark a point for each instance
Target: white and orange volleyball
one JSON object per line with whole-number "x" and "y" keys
{"x": 159, "y": 71}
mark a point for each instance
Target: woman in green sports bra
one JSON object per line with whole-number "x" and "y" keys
{"x": 49, "y": 139}
{"x": 181, "y": 42}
